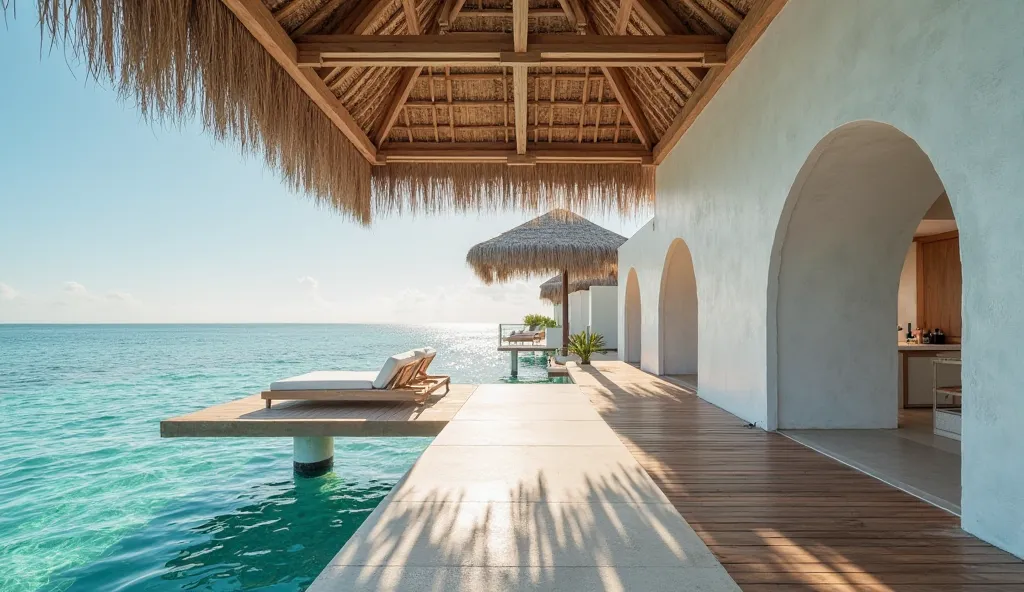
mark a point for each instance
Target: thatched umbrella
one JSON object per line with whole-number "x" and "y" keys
{"x": 557, "y": 241}
{"x": 551, "y": 290}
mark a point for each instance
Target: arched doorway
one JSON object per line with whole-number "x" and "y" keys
{"x": 632, "y": 319}
{"x": 837, "y": 289}
{"x": 677, "y": 317}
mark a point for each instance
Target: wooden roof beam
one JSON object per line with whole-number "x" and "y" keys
{"x": 449, "y": 12}
{"x": 520, "y": 79}
{"x": 630, "y": 105}
{"x": 659, "y": 18}
{"x": 501, "y": 152}
{"x": 498, "y": 49}
{"x": 365, "y": 13}
{"x": 705, "y": 17}
{"x": 622, "y": 16}
{"x": 398, "y": 99}
{"x": 260, "y": 23}
{"x": 412, "y": 19}
{"x": 504, "y": 13}
{"x": 749, "y": 31}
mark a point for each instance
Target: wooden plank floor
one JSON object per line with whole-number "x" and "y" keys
{"x": 780, "y": 516}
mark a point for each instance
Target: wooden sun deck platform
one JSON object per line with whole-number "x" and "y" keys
{"x": 780, "y": 516}
{"x": 248, "y": 417}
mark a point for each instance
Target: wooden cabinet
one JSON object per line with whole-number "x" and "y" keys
{"x": 939, "y": 284}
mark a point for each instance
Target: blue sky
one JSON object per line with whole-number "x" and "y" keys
{"x": 106, "y": 218}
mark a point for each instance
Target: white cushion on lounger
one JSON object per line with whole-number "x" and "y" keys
{"x": 393, "y": 365}
{"x": 327, "y": 380}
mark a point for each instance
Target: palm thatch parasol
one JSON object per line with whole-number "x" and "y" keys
{"x": 557, "y": 241}
{"x": 551, "y": 290}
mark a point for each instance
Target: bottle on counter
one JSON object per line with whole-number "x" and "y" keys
{"x": 910, "y": 333}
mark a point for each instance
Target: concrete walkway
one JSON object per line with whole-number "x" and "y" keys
{"x": 527, "y": 488}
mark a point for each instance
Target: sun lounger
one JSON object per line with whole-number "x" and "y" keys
{"x": 523, "y": 336}
{"x": 402, "y": 378}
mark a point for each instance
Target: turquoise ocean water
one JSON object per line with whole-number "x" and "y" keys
{"x": 91, "y": 499}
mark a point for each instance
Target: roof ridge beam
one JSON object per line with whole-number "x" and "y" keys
{"x": 496, "y": 49}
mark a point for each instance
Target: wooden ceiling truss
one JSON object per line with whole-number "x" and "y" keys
{"x": 509, "y": 81}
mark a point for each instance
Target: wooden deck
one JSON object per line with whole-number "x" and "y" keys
{"x": 249, "y": 418}
{"x": 780, "y": 516}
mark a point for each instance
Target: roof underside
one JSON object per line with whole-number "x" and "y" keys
{"x": 381, "y": 106}
{"x": 408, "y": 110}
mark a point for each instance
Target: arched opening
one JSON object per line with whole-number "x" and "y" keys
{"x": 843, "y": 281}
{"x": 677, "y": 317}
{"x": 631, "y": 318}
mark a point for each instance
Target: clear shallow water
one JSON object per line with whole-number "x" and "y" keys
{"x": 92, "y": 499}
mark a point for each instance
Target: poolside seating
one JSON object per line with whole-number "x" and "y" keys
{"x": 525, "y": 336}
{"x": 404, "y": 377}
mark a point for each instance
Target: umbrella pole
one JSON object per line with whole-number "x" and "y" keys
{"x": 565, "y": 312}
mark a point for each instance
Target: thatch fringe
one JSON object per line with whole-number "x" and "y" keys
{"x": 180, "y": 59}
{"x": 625, "y": 189}
{"x": 551, "y": 290}
{"x": 559, "y": 240}
{"x": 185, "y": 59}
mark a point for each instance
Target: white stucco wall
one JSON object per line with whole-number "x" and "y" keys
{"x": 907, "y": 298}
{"x": 579, "y": 312}
{"x": 948, "y": 74}
{"x": 678, "y": 312}
{"x": 629, "y": 324}
{"x": 604, "y": 313}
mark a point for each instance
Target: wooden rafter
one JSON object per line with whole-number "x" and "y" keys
{"x": 317, "y": 18}
{"x": 622, "y": 17}
{"x": 520, "y": 27}
{"x": 709, "y": 21}
{"x": 406, "y": 81}
{"x": 498, "y": 13}
{"x": 749, "y": 31}
{"x": 449, "y": 12}
{"x": 658, "y": 17}
{"x": 729, "y": 11}
{"x": 487, "y": 104}
{"x": 489, "y": 152}
{"x": 260, "y": 23}
{"x": 398, "y": 99}
{"x": 497, "y": 49}
{"x": 630, "y": 105}
{"x": 363, "y": 16}
{"x": 412, "y": 20}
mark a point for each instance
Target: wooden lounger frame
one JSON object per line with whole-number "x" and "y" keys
{"x": 411, "y": 384}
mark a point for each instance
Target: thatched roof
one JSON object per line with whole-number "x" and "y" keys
{"x": 555, "y": 241}
{"x": 551, "y": 289}
{"x": 379, "y": 106}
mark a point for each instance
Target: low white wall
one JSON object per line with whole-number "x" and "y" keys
{"x": 947, "y": 74}
{"x": 604, "y": 313}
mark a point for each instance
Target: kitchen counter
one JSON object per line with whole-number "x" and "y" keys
{"x": 904, "y": 346}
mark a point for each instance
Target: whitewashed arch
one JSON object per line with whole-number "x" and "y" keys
{"x": 633, "y": 319}
{"x": 834, "y": 277}
{"x": 677, "y": 308}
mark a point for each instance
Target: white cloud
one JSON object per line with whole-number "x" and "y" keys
{"x": 78, "y": 290}
{"x": 8, "y": 293}
{"x": 119, "y": 296}
{"x": 309, "y": 281}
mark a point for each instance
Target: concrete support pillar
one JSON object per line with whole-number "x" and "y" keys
{"x": 313, "y": 456}
{"x": 515, "y": 363}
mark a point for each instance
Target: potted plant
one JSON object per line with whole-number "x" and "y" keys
{"x": 584, "y": 345}
{"x": 535, "y": 321}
